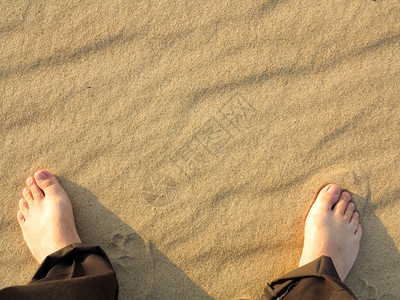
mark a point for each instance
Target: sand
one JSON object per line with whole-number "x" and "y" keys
{"x": 191, "y": 136}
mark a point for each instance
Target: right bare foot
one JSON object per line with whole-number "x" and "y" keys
{"x": 45, "y": 216}
{"x": 332, "y": 229}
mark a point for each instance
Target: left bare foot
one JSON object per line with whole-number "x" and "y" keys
{"x": 45, "y": 216}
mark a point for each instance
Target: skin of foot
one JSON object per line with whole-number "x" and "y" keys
{"x": 332, "y": 229}
{"x": 45, "y": 216}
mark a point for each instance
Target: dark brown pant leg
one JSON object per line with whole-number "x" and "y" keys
{"x": 315, "y": 280}
{"x": 76, "y": 271}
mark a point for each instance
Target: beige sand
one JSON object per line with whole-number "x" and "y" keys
{"x": 192, "y": 135}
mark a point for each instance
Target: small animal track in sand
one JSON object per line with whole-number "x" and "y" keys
{"x": 133, "y": 263}
{"x": 370, "y": 293}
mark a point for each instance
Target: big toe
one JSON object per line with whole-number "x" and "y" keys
{"x": 48, "y": 182}
{"x": 328, "y": 195}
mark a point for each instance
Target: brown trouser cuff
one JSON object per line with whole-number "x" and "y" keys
{"x": 77, "y": 271}
{"x": 315, "y": 280}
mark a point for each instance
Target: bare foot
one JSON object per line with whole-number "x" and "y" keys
{"x": 45, "y": 216}
{"x": 332, "y": 229}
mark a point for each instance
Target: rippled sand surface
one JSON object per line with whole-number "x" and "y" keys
{"x": 191, "y": 135}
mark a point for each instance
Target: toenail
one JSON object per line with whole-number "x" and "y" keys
{"x": 346, "y": 195}
{"x": 334, "y": 189}
{"x": 352, "y": 205}
{"x": 29, "y": 180}
{"x": 41, "y": 176}
{"x": 26, "y": 190}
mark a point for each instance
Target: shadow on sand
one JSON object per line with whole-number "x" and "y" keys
{"x": 375, "y": 274}
{"x": 143, "y": 271}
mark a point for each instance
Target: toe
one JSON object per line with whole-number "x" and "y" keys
{"x": 349, "y": 211}
{"x": 359, "y": 231}
{"x": 329, "y": 195}
{"x": 35, "y": 190}
{"x": 355, "y": 220}
{"x": 20, "y": 218}
{"x": 48, "y": 182}
{"x": 23, "y": 207}
{"x": 26, "y": 192}
{"x": 324, "y": 200}
{"x": 341, "y": 206}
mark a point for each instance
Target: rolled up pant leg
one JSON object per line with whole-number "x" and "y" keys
{"x": 77, "y": 271}
{"x": 315, "y": 280}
